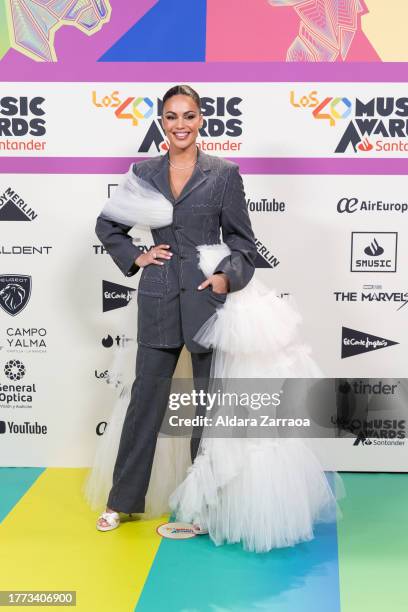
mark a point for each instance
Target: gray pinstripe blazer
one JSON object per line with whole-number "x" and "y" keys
{"x": 170, "y": 307}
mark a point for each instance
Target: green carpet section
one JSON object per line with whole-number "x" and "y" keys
{"x": 14, "y": 483}
{"x": 373, "y": 543}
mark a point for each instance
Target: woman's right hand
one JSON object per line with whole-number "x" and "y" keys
{"x": 153, "y": 254}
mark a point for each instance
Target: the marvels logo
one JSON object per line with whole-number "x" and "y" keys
{"x": 99, "y": 249}
{"x": 15, "y": 291}
{"x": 222, "y": 119}
{"x": 354, "y": 342}
{"x": 372, "y": 294}
{"x": 14, "y": 208}
{"x": 22, "y": 116}
{"x": 379, "y": 124}
{"x": 115, "y": 296}
{"x": 352, "y": 205}
{"x": 374, "y": 251}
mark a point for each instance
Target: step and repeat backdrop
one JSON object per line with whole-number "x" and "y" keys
{"x": 324, "y": 174}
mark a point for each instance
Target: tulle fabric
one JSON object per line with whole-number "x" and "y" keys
{"x": 172, "y": 454}
{"x": 263, "y": 492}
{"x": 136, "y": 202}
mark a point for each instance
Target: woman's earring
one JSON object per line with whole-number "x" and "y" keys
{"x": 165, "y": 145}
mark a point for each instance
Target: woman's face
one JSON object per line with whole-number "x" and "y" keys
{"x": 181, "y": 121}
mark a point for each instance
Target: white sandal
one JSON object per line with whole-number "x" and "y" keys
{"x": 112, "y": 518}
{"x": 198, "y": 530}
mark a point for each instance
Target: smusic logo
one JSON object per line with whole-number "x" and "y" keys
{"x": 115, "y": 296}
{"x": 354, "y": 342}
{"x": 374, "y": 251}
{"x": 15, "y": 291}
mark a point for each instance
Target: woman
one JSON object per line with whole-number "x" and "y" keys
{"x": 174, "y": 296}
{"x": 265, "y": 492}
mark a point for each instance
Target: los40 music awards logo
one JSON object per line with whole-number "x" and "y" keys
{"x": 377, "y": 124}
{"x": 222, "y": 119}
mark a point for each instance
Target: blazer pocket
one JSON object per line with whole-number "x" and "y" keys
{"x": 209, "y": 207}
{"x": 218, "y": 296}
{"x": 152, "y": 288}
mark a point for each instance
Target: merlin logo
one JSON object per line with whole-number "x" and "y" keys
{"x": 264, "y": 258}
{"x": 374, "y": 251}
{"x": 13, "y": 207}
{"x": 15, "y": 291}
{"x": 354, "y": 342}
{"x": 115, "y": 296}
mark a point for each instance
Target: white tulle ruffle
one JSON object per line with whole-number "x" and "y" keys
{"x": 136, "y": 202}
{"x": 264, "y": 492}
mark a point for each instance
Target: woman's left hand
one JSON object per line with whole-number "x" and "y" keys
{"x": 219, "y": 283}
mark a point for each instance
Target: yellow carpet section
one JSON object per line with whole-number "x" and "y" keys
{"x": 49, "y": 541}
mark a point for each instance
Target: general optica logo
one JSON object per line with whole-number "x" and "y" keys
{"x": 379, "y": 124}
{"x": 221, "y": 129}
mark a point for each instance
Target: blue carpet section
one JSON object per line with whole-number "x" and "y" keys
{"x": 183, "y": 22}
{"x": 197, "y": 576}
{"x": 14, "y": 483}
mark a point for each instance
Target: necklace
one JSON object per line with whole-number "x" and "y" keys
{"x": 182, "y": 167}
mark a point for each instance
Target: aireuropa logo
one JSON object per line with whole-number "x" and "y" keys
{"x": 352, "y": 205}
{"x": 14, "y": 208}
{"x": 378, "y": 124}
{"x": 374, "y": 251}
{"x": 222, "y": 119}
{"x": 354, "y": 342}
{"x": 15, "y": 291}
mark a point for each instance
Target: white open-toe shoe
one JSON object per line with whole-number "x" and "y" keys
{"x": 112, "y": 518}
{"x": 199, "y": 530}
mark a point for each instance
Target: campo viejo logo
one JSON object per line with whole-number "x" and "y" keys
{"x": 373, "y": 124}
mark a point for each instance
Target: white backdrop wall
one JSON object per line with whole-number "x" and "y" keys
{"x": 336, "y": 244}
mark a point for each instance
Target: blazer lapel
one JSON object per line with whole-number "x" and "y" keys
{"x": 199, "y": 175}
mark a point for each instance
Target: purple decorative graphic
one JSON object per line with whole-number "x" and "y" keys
{"x": 326, "y": 29}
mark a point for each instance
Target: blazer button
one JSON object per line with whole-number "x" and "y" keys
{"x": 182, "y": 288}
